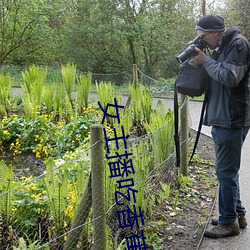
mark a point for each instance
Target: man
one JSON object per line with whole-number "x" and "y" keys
{"x": 228, "y": 112}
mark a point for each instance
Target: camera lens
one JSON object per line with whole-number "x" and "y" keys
{"x": 187, "y": 53}
{"x": 190, "y": 51}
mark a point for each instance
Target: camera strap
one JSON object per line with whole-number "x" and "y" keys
{"x": 176, "y": 127}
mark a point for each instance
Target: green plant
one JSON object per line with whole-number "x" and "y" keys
{"x": 42, "y": 136}
{"x": 153, "y": 240}
{"x": 83, "y": 91}
{"x": 6, "y": 196}
{"x": 5, "y": 90}
{"x": 28, "y": 244}
{"x": 106, "y": 93}
{"x": 184, "y": 181}
{"x": 161, "y": 128}
{"x": 176, "y": 199}
{"x": 34, "y": 81}
{"x": 68, "y": 74}
{"x": 142, "y": 109}
{"x": 48, "y": 98}
{"x": 30, "y": 207}
{"x": 165, "y": 190}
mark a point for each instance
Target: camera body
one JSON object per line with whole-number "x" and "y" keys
{"x": 190, "y": 51}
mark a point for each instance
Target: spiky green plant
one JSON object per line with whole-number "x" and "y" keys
{"x": 106, "y": 92}
{"x": 6, "y": 184}
{"x": 56, "y": 184}
{"x": 62, "y": 106}
{"x": 48, "y": 97}
{"x": 83, "y": 90}
{"x": 141, "y": 103}
{"x": 161, "y": 129}
{"x": 5, "y": 90}
{"x": 33, "y": 85}
{"x": 142, "y": 157}
{"x": 135, "y": 93}
{"x": 68, "y": 74}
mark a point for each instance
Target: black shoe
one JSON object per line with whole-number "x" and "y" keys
{"x": 241, "y": 219}
{"x": 221, "y": 231}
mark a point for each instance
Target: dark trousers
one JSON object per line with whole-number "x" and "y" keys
{"x": 228, "y": 145}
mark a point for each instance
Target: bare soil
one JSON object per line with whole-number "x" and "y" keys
{"x": 182, "y": 219}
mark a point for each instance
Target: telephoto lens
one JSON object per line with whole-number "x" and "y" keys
{"x": 190, "y": 50}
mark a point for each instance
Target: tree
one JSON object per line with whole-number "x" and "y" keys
{"x": 108, "y": 36}
{"x": 102, "y": 36}
{"x": 237, "y": 13}
{"x": 20, "y": 22}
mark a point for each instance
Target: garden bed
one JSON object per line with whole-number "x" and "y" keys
{"x": 179, "y": 223}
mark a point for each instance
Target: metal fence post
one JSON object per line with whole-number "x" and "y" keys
{"x": 98, "y": 188}
{"x": 184, "y": 135}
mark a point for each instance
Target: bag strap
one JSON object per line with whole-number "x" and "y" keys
{"x": 199, "y": 127}
{"x": 176, "y": 126}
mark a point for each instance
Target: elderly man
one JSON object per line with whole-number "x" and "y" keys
{"x": 228, "y": 112}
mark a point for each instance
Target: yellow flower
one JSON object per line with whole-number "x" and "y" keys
{"x": 45, "y": 151}
{"x": 38, "y": 156}
{"x": 37, "y": 196}
{"x": 69, "y": 211}
{"x": 14, "y": 209}
{"x": 73, "y": 199}
{"x": 17, "y": 152}
{"x": 6, "y": 132}
{"x": 31, "y": 187}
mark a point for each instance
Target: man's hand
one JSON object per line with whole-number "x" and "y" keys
{"x": 200, "y": 58}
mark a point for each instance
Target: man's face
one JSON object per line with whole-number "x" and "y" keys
{"x": 211, "y": 38}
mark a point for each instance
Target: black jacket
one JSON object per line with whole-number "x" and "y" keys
{"x": 229, "y": 90}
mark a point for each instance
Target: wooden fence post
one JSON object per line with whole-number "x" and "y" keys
{"x": 98, "y": 187}
{"x": 135, "y": 82}
{"x": 135, "y": 74}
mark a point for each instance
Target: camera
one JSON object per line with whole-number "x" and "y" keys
{"x": 190, "y": 51}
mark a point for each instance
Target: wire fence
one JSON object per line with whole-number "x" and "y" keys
{"x": 56, "y": 210}
{"x": 158, "y": 87}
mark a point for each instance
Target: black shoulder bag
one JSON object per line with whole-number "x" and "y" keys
{"x": 191, "y": 81}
